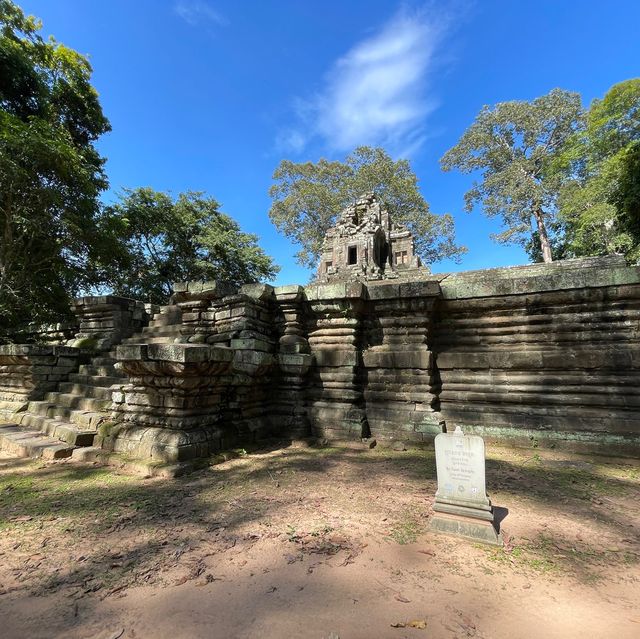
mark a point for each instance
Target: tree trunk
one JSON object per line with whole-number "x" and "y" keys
{"x": 545, "y": 245}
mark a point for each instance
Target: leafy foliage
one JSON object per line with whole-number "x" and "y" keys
{"x": 50, "y": 172}
{"x": 599, "y": 200}
{"x": 164, "y": 240}
{"x": 307, "y": 197}
{"x": 56, "y": 240}
{"x": 513, "y": 145}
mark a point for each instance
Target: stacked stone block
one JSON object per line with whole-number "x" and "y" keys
{"x": 182, "y": 400}
{"x": 29, "y": 371}
{"x": 289, "y": 409}
{"x": 106, "y": 320}
{"x": 171, "y": 405}
{"x": 52, "y": 334}
{"x": 401, "y": 384}
{"x": 335, "y": 394}
{"x": 545, "y": 355}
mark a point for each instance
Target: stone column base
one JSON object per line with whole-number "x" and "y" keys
{"x": 468, "y": 527}
{"x": 163, "y": 445}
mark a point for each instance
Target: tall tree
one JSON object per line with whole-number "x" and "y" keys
{"x": 163, "y": 240}
{"x": 307, "y": 197}
{"x": 512, "y": 145}
{"x": 600, "y": 169}
{"x": 50, "y": 172}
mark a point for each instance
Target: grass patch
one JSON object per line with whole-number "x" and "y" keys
{"x": 406, "y": 531}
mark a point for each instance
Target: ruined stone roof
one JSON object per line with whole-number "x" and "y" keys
{"x": 365, "y": 244}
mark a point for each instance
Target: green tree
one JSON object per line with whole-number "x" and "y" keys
{"x": 513, "y": 146}
{"x": 307, "y": 197}
{"x": 165, "y": 240}
{"x": 50, "y": 172}
{"x": 600, "y": 169}
{"x": 627, "y": 195}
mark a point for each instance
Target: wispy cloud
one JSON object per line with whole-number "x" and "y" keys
{"x": 198, "y": 12}
{"x": 377, "y": 92}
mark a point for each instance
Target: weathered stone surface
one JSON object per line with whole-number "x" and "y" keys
{"x": 366, "y": 245}
{"x": 29, "y": 371}
{"x": 105, "y": 320}
{"x": 544, "y": 354}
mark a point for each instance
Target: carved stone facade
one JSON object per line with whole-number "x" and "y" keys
{"x": 546, "y": 354}
{"x": 365, "y": 245}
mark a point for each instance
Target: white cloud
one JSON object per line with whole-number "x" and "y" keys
{"x": 377, "y": 92}
{"x": 198, "y": 12}
{"x": 290, "y": 140}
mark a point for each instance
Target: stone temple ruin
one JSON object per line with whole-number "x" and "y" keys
{"x": 365, "y": 245}
{"x": 546, "y": 354}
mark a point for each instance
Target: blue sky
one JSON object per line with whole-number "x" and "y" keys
{"x": 210, "y": 95}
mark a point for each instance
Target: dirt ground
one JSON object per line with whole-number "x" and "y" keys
{"x": 321, "y": 543}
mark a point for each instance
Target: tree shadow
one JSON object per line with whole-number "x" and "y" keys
{"x": 213, "y": 507}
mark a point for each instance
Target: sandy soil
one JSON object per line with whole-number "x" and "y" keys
{"x": 327, "y": 543}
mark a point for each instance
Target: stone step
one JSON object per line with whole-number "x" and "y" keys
{"x": 90, "y": 369}
{"x": 59, "y": 429}
{"x": 143, "y": 339}
{"x": 25, "y": 442}
{"x": 81, "y": 416}
{"x": 103, "y": 361}
{"x": 87, "y": 419}
{"x": 160, "y": 331}
{"x": 102, "y": 381}
{"x": 41, "y": 408}
{"x": 85, "y": 390}
{"x": 69, "y": 400}
{"x": 165, "y": 321}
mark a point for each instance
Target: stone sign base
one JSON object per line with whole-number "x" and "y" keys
{"x": 468, "y": 527}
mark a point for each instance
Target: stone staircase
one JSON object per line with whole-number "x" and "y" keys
{"x": 165, "y": 328}
{"x": 69, "y": 418}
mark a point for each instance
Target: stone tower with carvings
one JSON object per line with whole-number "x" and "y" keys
{"x": 366, "y": 245}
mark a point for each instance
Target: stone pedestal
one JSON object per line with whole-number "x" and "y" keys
{"x": 171, "y": 409}
{"x": 462, "y": 506}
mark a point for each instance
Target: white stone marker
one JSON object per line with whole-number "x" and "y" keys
{"x": 462, "y": 506}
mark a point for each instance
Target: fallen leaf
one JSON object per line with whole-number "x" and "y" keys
{"x": 418, "y": 623}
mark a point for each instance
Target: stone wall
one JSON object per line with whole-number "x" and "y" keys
{"x": 401, "y": 383}
{"x": 544, "y": 354}
{"x": 53, "y": 334}
{"x": 534, "y": 355}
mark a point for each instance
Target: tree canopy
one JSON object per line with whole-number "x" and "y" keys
{"x": 599, "y": 204}
{"x": 162, "y": 240}
{"x": 512, "y": 145}
{"x": 307, "y": 197}
{"x": 56, "y": 239}
{"x": 50, "y": 172}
